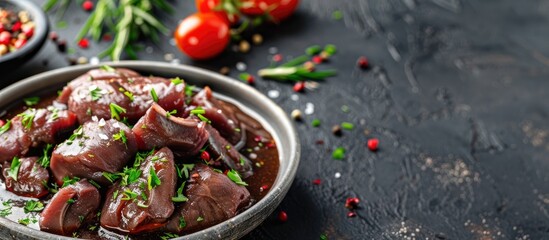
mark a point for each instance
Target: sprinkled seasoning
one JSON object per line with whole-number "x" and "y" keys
{"x": 363, "y": 62}
{"x": 339, "y": 153}
{"x": 273, "y": 93}
{"x": 347, "y": 125}
{"x": 299, "y": 86}
{"x": 84, "y": 43}
{"x": 296, "y": 115}
{"x": 337, "y": 175}
{"x": 309, "y": 108}
{"x": 352, "y": 202}
{"x": 317, "y": 181}
{"x": 240, "y": 66}
{"x": 315, "y": 123}
{"x": 282, "y": 216}
{"x": 336, "y": 130}
{"x": 373, "y": 144}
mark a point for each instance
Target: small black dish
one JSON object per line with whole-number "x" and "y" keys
{"x": 20, "y": 56}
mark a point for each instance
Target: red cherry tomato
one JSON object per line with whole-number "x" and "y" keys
{"x": 278, "y": 9}
{"x": 202, "y": 35}
{"x": 213, "y": 6}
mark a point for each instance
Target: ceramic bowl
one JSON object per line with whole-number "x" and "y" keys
{"x": 253, "y": 102}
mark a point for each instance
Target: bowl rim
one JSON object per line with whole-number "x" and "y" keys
{"x": 40, "y": 30}
{"x": 277, "y": 192}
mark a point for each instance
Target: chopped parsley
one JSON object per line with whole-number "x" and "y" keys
{"x": 142, "y": 204}
{"x": 199, "y": 219}
{"x": 170, "y": 113}
{"x": 154, "y": 95}
{"x": 339, "y": 153}
{"x": 5, "y": 212}
{"x": 198, "y": 112}
{"x": 24, "y": 221}
{"x": 130, "y": 175}
{"x": 44, "y": 160}
{"x": 177, "y": 81}
{"x": 27, "y": 118}
{"x": 116, "y": 111}
{"x": 31, "y": 101}
{"x": 153, "y": 180}
{"x": 71, "y": 201}
{"x": 115, "y": 194}
{"x": 107, "y": 68}
{"x": 120, "y": 136}
{"x": 94, "y": 183}
{"x": 112, "y": 177}
{"x": 189, "y": 90}
{"x": 141, "y": 156}
{"x": 96, "y": 93}
{"x": 6, "y": 127}
{"x": 129, "y": 195}
{"x": 347, "y": 125}
{"x": 180, "y": 197}
{"x": 235, "y": 177}
{"x": 169, "y": 236}
{"x": 182, "y": 222}
{"x": 33, "y": 206}
{"x": 185, "y": 169}
{"x": 14, "y": 168}
{"x": 127, "y": 93}
{"x": 67, "y": 181}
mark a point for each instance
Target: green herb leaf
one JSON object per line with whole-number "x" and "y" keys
{"x": 71, "y": 201}
{"x": 31, "y": 101}
{"x": 28, "y": 117}
{"x": 5, "y": 212}
{"x": 24, "y": 221}
{"x": 347, "y": 125}
{"x": 129, "y": 195}
{"x": 153, "y": 180}
{"x": 14, "y": 168}
{"x": 235, "y": 177}
{"x": 116, "y": 110}
{"x": 177, "y": 81}
{"x": 169, "y": 236}
{"x": 112, "y": 177}
{"x": 180, "y": 197}
{"x": 184, "y": 170}
{"x": 313, "y": 50}
{"x": 5, "y": 127}
{"x": 339, "y": 153}
{"x": 33, "y": 206}
{"x": 154, "y": 96}
{"x": 182, "y": 222}
{"x": 120, "y": 136}
{"x": 170, "y": 113}
{"x": 198, "y": 110}
{"x": 69, "y": 181}
{"x": 44, "y": 160}
{"x": 199, "y": 219}
{"x": 107, "y": 68}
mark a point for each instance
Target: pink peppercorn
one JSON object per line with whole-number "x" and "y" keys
{"x": 83, "y": 43}
{"x": 87, "y": 5}
{"x": 363, "y": 62}
{"x": 351, "y": 214}
{"x": 316, "y": 181}
{"x": 282, "y": 216}
{"x": 352, "y": 203}
{"x": 299, "y": 86}
{"x": 373, "y": 144}
{"x": 318, "y": 59}
{"x": 205, "y": 156}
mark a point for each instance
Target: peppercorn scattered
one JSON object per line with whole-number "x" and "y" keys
{"x": 62, "y": 45}
{"x": 225, "y": 70}
{"x": 296, "y": 115}
{"x": 363, "y": 62}
{"x": 87, "y": 5}
{"x": 16, "y": 28}
{"x": 282, "y": 216}
{"x": 205, "y": 156}
{"x": 336, "y": 130}
{"x": 373, "y": 144}
{"x": 244, "y": 46}
{"x": 84, "y": 43}
{"x": 299, "y": 86}
{"x": 317, "y": 181}
{"x": 264, "y": 188}
{"x": 352, "y": 202}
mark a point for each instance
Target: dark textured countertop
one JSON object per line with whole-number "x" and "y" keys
{"x": 457, "y": 95}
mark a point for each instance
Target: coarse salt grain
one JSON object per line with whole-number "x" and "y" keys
{"x": 240, "y": 66}
{"x": 103, "y": 136}
{"x": 337, "y": 175}
{"x": 309, "y": 108}
{"x": 273, "y": 93}
{"x": 94, "y": 60}
{"x": 294, "y": 97}
{"x": 253, "y": 155}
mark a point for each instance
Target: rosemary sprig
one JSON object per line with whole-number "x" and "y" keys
{"x": 128, "y": 19}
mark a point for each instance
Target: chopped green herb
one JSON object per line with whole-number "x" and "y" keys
{"x": 33, "y": 206}
{"x": 115, "y": 194}
{"x": 107, "y": 68}
{"x": 5, "y": 212}
{"x": 129, "y": 95}
{"x": 345, "y": 109}
{"x": 14, "y": 168}
{"x": 180, "y": 197}
{"x": 242, "y": 162}
{"x": 71, "y": 201}
{"x": 142, "y": 204}
{"x": 81, "y": 218}
{"x": 315, "y": 123}
{"x": 347, "y": 125}
{"x": 177, "y": 81}
{"x": 199, "y": 219}
{"x": 228, "y": 147}
{"x": 237, "y": 130}
{"x": 198, "y": 110}
{"x": 129, "y": 195}
{"x": 112, "y": 177}
{"x": 24, "y": 221}
{"x": 31, "y": 101}
{"x": 96, "y": 93}
{"x": 323, "y": 237}
{"x": 153, "y": 180}
{"x": 313, "y": 50}
{"x": 182, "y": 222}
{"x": 235, "y": 177}
{"x": 92, "y": 227}
{"x": 189, "y": 91}
{"x": 44, "y": 160}
{"x": 94, "y": 183}
{"x": 7, "y": 203}
{"x": 170, "y": 113}
{"x": 62, "y": 24}
{"x": 69, "y": 181}
{"x": 141, "y": 156}
{"x": 28, "y": 117}
{"x": 154, "y": 96}
{"x": 131, "y": 175}
{"x": 184, "y": 170}
{"x": 120, "y": 136}
{"x": 54, "y": 115}
{"x": 169, "y": 236}
{"x": 6, "y": 127}
{"x": 339, "y": 153}
{"x": 204, "y": 119}
{"x": 116, "y": 111}
{"x": 337, "y": 15}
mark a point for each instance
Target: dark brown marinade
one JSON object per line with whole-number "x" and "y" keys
{"x": 260, "y": 148}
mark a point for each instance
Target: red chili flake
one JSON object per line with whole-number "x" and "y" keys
{"x": 363, "y": 63}
{"x": 352, "y": 203}
{"x": 282, "y": 216}
{"x": 84, "y": 43}
{"x": 20, "y": 43}
{"x": 351, "y": 214}
{"x": 107, "y": 37}
{"x": 317, "y": 181}
{"x": 250, "y": 79}
{"x": 16, "y": 26}
{"x": 318, "y": 59}
{"x": 263, "y": 188}
{"x": 277, "y": 57}
{"x": 54, "y": 36}
{"x": 5, "y": 38}
{"x": 319, "y": 142}
{"x": 373, "y": 144}
{"x": 299, "y": 86}
{"x": 205, "y": 156}
{"x": 87, "y": 5}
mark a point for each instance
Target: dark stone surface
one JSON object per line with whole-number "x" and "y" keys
{"x": 457, "y": 96}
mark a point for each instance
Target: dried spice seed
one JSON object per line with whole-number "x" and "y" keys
{"x": 257, "y": 39}
{"x": 373, "y": 144}
{"x": 282, "y": 216}
{"x": 352, "y": 202}
{"x": 244, "y": 46}
{"x": 363, "y": 62}
{"x": 296, "y": 115}
{"x": 225, "y": 70}
{"x": 336, "y": 130}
